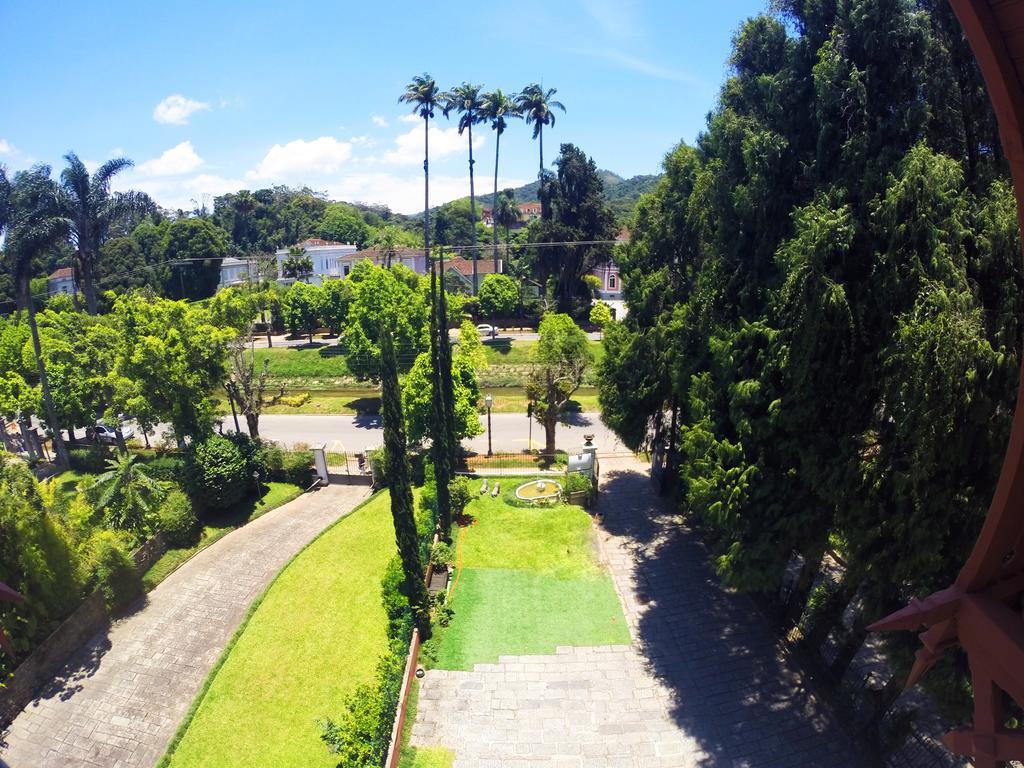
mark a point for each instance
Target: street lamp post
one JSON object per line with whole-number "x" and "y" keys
{"x": 489, "y": 401}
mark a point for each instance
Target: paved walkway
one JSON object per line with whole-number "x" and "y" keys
{"x": 704, "y": 683}
{"x": 119, "y": 702}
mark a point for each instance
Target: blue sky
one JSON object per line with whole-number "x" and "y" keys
{"x": 207, "y": 98}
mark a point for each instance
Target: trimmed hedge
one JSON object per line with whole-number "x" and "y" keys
{"x": 177, "y": 521}
{"x": 172, "y": 469}
{"x": 218, "y": 473}
{"x": 91, "y": 460}
{"x": 295, "y": 467}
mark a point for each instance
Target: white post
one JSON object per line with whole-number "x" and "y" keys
{"x": 320, "y": 463}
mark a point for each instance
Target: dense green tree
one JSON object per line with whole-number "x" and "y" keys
{"x": 562, "y": 356}
{"x": 537, "y": 107}
{"x": 383, "y": 301}
{"x": 342, "y": 223}
{"x": 301, "y": 309}
{"x": 297, "y": 264}
{"x": 335, "y": 298}
{"x": 400, "y": 485}
{"x": 573, "y": 211}
{"x": 170, "y": 359}
{"x": 195, "y": 247}
{"x": 127, "y": 495}
{"x": 499, "y": 296}
{"x": 497, "y": 107}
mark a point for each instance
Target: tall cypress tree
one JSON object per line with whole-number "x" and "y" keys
{"x": 440, "y": 436}
{"x": 444, "y": 355}
{"x": 397, "y": 467}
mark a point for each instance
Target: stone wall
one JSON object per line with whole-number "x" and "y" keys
{"x": 47, "y": 660}
{"x": 52, "y": 654}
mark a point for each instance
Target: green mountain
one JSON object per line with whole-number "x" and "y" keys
{"x": 620, "y": 194}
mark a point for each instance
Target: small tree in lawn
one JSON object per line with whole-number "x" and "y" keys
{"x": 398, "y": 477}
{"x": 245, "y": 383}
{"x": 562, "y": 356}
{"x": 600, "y": 315}
{"x": 301, "y": 309}
{"x": 499, "y": 296}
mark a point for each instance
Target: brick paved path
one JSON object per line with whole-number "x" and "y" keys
{"x": 119, "y": 702}
{"x": 703, "y": 684}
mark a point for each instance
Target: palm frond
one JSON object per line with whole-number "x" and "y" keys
{"x": 106, "y": 172}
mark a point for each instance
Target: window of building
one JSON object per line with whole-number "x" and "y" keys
{"x": 613, "y": 282}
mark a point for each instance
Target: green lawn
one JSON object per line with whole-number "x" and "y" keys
{"x": 219, "y": 526}
{"x": 302, "y": 363}
{"x": 316, "y": 635}
{"x": 517, "y": 352}
{"x": 528, "y": 583}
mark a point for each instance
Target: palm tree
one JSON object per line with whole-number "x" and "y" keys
{"x": 506, "y": 212}
{"x": 127, "y": 493}
{"x": 31, "y": 214}
{"x": 536, "y": 105}
{"x": 424, "y": 95}
{"x": 91, "y": 209}
{"x": 496, "y": 107}
{"x": 467, "y": 100}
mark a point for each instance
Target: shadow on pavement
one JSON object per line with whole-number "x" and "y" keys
{"x": 732, "y": 689}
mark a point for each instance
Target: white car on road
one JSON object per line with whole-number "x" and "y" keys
{"x": 487, "y": 331}
{"x": 108, "y": 435}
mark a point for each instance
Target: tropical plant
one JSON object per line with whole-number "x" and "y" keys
{"x": 127, "y": 494}
{"x": 536, "y": 106}
{"x": 297, "y": 264}
{"x": 30, "y": 209}
{"x": 496, "y": 107}
{"x": 91, "y": 209}
{"x": 467, "y": 100}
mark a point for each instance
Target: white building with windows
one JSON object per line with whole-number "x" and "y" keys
{"x": 236, "y": 271}
{"x": 62, "y": 281}
{"x": 325, "y": 256}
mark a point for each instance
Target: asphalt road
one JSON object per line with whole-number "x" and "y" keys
{"x": 510, "y": 432}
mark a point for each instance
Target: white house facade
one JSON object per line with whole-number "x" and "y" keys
{"x": 412, "y": 258}
{"x": 62, "y": 281}
{"x": 236, "y": 271}
{"x": 325, "y": 256}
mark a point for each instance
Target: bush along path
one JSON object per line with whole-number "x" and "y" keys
{"x": 119, "y": 701}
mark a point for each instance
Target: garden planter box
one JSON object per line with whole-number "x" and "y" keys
{"x": 438, "y": 580}
{"x": 580, "y": 498}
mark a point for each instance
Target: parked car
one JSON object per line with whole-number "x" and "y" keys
{"x": 487, "y": 331}
{"x": 107, "y": 435}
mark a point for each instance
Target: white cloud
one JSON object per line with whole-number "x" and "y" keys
{"x": 300, "y": 159}
{"x": 6, "y": 148}
{"x": 379, "y": 121}
{"x": 404, "y": 194}
{"x": 412, "y": 117}
{"x": 116, "y": 152}
{"x": 174, "y": 162}
{"x": 176, "y": 109}
{"x": 362, "y": 141}
{"x": 443, "y": 142}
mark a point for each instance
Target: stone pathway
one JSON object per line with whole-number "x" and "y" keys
{"x": 119, "y": 702}
{"x": 704, "y": 683}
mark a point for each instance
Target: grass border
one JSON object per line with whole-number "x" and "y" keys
{"x": 179, "y": 734}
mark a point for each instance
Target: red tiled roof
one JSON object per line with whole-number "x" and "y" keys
{"x": 313, "y": 242}
{"x": 465, "y": 266}
{"x": 62, "y": 274}
{"x": 623, "y": 236}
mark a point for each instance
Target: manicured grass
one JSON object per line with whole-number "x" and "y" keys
{"x": 527, "y": 582}
{"x": 517, "y": 352}
{"x": 219, "y": 526}
{"x": 297, "y": 363}
{"x": 502, "y": 612}
{"x": 315, "y": 636}
{"x": 555, "y": 541}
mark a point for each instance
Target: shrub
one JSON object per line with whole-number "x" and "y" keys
{"x": 177, "y": 521}
{"x": 442, "y": 555}
{"x": 461, "y": 494}
{"x": 295, "y": 467}
{"x": 252, "y": 452}
{"x": 168, "y": 469}
{"x": 114, "y": 570}
{"x": 361, "y": 736}
{"x": 577, "y": 481}
{"x": 377, "y": 461}
{"x": 395, "y": 602}
{"x": 90, "y": 460}
{"x": 295, "y": 401}
{"x": 218, "y": 476}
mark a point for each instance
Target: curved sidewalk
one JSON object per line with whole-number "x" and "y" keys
{"x": 119, "y": 701}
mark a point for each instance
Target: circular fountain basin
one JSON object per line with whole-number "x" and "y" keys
{"x": 539, "y": 490}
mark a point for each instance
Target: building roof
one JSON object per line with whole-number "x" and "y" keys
{"x": 64, "y": 273}
{"x": 464, "y": 267}
{"x": 232, "y": 261}
{"x": 316, "y": 242}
